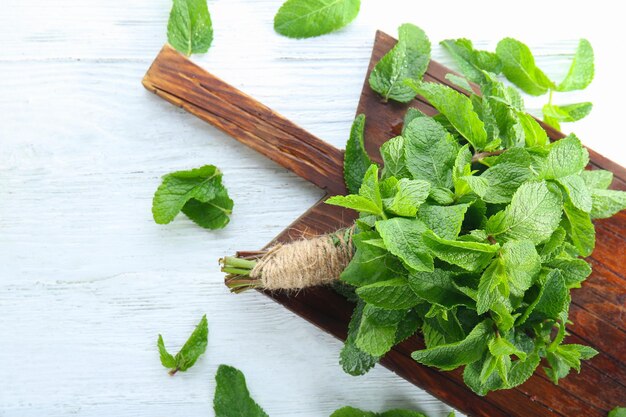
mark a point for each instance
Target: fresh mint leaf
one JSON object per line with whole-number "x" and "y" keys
{"x": 451, "y": 356}
{"x": 411, "y": 114}
{"x": 438, "y": 288}
{"x": 554, "y": 297}
{"x": 566, "y": 157}
{"x": 189, "y": 353}
{"x": 471, "y": 256}
{"x": 577, "y": 191}
{"x": 618, "y": 412}
{"x": 457, "y": 108}
{"x": 198, "y": 193}
{"x": 606, "y": 203}
{"x": 409, "y": 197}
{"x": 394, "y": 294}
{"x": 189, "y": 28}
{"x": 370, "y": 263}
{"x": 310, "y": 18}
{"x": 573, "y": 270}
{"x": 232, "y": 398}
{"x": 355, "y": 412}
{"x": 430, "y": 152}
{"x": 377, "y": 331}
{"x": 580, "y": 229}
{"x": 392, "y": 152}
{"x": 567, "y": 112}
{"x": 581, "y": 71}
{"x": 498, "y": 184}
{"x": 407, "y": 60}
{"x": 472, "y": 61}
{"x": 566, "y": 357}
{"x": 403, "y": 238}
{"x": 355, "y": 160}
{"x": 597, "y": 179}
{"x": 460, "y": 82}
{"x": 518, "y": 65}
{"x": 534, "y": 134}
{"x": 353, "y": 360}
{"x": 445, "y": 221}
{"x": 368, "y": 200}
{"x": 534, "y": 214}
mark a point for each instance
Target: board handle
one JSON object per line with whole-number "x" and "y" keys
{"x": 181, "y": 82}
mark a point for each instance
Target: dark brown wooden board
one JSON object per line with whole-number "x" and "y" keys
{"x": 598, "y": 309}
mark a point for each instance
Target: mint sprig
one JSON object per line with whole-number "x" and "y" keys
{"x": 189, "y": 28}
{"x": 189, "y": 353}
{"x": 307, "y": 18}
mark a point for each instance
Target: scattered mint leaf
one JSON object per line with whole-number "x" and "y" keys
{"x": 618, "y": 412}
{"x": 189, "y": 353}
{"x": 567, "y": 112}
{"x": 472, "y": 62}
{"x": 189, "y": 28}
{"x": 355, "y": 160}
{"x": 232, "y": 398}
{"x": 518, "y": 65}
{"x": 355, "y": 412}
{"x": 198, "y": 193}
{"x": 407, "y": 60}
{"x": 310, "y": 18}
{"x": 606, "y": 203}
{"x": 581, "y": 71}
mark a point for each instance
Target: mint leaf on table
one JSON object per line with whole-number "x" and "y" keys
{"x": 355, "y": 412}
{"x": 472, "y": 62}
{"x": 232, "y": 398}
{"x": 581, "y": 71}
{"x": 566, "y": 157}
{"x": 458, "y": 110}
{"x": 617, "y": 412}
{"x": 198, "y": 193}
{"x": 518, "y": 65}
{"x": 310, "y": 18}
{"x": 567, "y": 112}
{"x": 355, "y": 160}
{"x": 407, "y": 60}
{"x": 606, "y": 203}
{"x": 377, "y": 330}
{"x": 189, "y": 353}
{"x": 565, "y": 357}
{"x": 189, "y": 28}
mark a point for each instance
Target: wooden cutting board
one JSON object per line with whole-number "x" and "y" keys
{"x": 598, "y": 309}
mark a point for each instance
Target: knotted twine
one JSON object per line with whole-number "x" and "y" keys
{"x": 305, "y": 263}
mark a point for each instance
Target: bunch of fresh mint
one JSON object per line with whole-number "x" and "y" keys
{"x": 472, "y": 233}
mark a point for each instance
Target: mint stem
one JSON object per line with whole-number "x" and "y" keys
{"x": 481, "y": 155}
{"x": 172, "y": 372}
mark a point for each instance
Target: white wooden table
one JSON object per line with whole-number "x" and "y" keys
{"x": 88, "y": 280}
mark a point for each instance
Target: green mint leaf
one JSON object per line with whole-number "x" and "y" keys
{"x": 189, "y": 28}
{"x": 577, "y": 191}
{"x": 460, "y": 82}
{"x": 518, "y": 65}
{"x": 451, "y": 356}
{"x": 352, "y": 412}
{"x": 445, "y": 221}
{"x": 411, "y": 114}
{"x": 581, "y": 71}
{"x": 189, "y": 353}
{"x": 369, "y": 199}
{"x": 580, "y": 229}
{"x": 394, "y": 294}
{"x": 352, "y": 359}
{"x": 407, "y": 60}
{"x": 566, "y": 157}
{"x": 499, "y": 346}
{"x": 441, "y": 195}
{"x": 597, "y": 178}
{"x": 430, "y": 152}
{"x": 573, "y": 270}
{"x": 534, "y": 214}
{"x": 498, "y": 184}
{"x": 554, "y": 296}
{"x": 198, "y": 193}
{"x": 534, "y": 134}
{"x": 471, "y": 256}
{"x": 370, "y": 263}
{"x": 606, "y": 203}
{"x": 409, "y": 197}
{"x": 309, "y": 18}
{"x": 550, "y": 121}
{"x": 488, "y": 293}
{"x": 232, "y": 398}
{"x": 618, "y": 412}
{"x": 355, "y": 160}
{"x": 403, "y": 238}
{"x": 438, "y": 288}
{"x": 462, "y": 168}
{"x": 521, "y": 264}
{"x": 551, "y": 248}
{"x": 471, "y": 61}
{"x": 566, "y": 357}
{"x": 521, "y": 371}
{"x": 567, "y": 112}
{"x": 377, "y": 332}
{"x": 457, "y": 108}
{"x": 392, "y": 152}
{"x": 401, "y": 413}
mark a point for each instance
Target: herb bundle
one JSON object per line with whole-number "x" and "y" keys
{"x": 472, "y": 232}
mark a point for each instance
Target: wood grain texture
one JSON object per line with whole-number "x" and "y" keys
{"x": 590, "y": 312}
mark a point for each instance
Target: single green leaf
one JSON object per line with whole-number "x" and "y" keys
{"x": 370, "y": 263}
{"x": 352, "y": 412}
{"x": 189, "y": 353}
{"x": 618, "y": 412}
{"x": 355, "y": 160}
{"x": 199, "y": 193}
{"x": 441, "y": 195}
{"x": 451, "y": 356}
{"x": 565, "y": 157}
{"x": 409, "y": 197}
{"x": 573, "y": 270}
{"x": 577, "y": 191}
{"x": 189, "y": 28}
{"x": 606, "y": 203}
{"x": 407, "y": 60}
{"x": 580, "y": 229}
{"x": 392, "y": 152}
{"x": 460, "y": 82}
{"x": 438, "y": 288}
{"x": 566, "y": 357}
{"x": 597, "y": 179}
{"x": 445, "y": 221}
{"x": 356, "y": 202}
{"x": 403, "y": 238}
{"x": 430, "y": 152}
{"x": 518, "y": 65}
{"x": 352, "y": 359}
{"x": 581, "y": 71}
{"x": 552, "y": 246}
{"x": 472, "y": 256}
{"x": 309, "y": 18}
{"x": 411, "y": 114}
{"x": 457, "y": 108}
{"x": 499, "y": 346}
{"x": 534, "y": 134}
{"x": 472, "y": 61}
{"x": 534, "y": 214}
{"x": 567, "y": 112}
{"x": 498, "y": 184}
{"x": 554, "y": 297}
{"x": 232, "y": 398}
{"x": 377, "y": 331}
{"x": 394, "y": 294}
